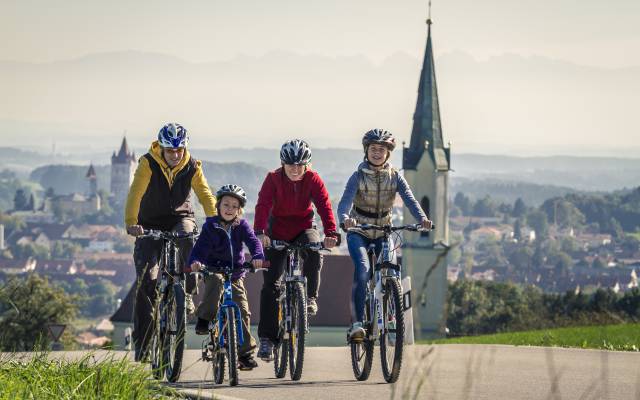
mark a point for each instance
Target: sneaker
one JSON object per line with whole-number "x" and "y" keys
{"x": 246, "y": 363}
{"x": 188, "y": 303}
{"x": 266, "y": 350}
{"x": 312, "y": 306}
{"x": 356, "y": 332}
{"x": 202, "y": 326}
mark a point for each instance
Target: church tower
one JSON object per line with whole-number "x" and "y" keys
{"x": 426, "y": 164}
{"x": 123, "y": 166}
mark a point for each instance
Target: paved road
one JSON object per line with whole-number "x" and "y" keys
{"x": 439, "y": 372}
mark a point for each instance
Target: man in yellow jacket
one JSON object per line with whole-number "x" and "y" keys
{"x": 160, "y": 198}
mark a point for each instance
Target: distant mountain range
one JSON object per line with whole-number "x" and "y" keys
{"x": 503, "y": 177}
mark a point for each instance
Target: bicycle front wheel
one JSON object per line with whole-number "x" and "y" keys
{"x": 297, "y": 336}
{"x": 155, "y": 347}
{"x": 362, "y": 351}
{"x": 281, "y": 348}
{"x": 231, "y": 344}
{"x": 174, "y": 339}
{"x": 392, "y": 336}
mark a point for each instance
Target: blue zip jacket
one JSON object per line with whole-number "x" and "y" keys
{"x": 214, "y": 250}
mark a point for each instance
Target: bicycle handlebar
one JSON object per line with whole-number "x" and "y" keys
{"x": 210, "y": 270}
{"x": 282, "y": 245}
{"x": 167, "y": 235}
{"x": 390, "y": 228}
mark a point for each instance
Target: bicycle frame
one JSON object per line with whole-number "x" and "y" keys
{"x": 292, "y": 273}
{"x": 382, "y": 269}
{"x": 228, "y": 303}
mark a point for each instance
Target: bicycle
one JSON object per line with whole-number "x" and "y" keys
{"x": 384, "y": 310}
{"x": 293, "y": 324}
{"x": 169, "y": 315}
{"x": 225, "y": 332}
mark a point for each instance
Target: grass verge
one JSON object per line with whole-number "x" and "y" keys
{"x": 41, "y": 377}
{"x": 625, "y": 337}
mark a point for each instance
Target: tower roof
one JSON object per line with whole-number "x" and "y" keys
{"x": 91, "y": 172}
{"x": 124, "y": 155}
{"x": 426, "y": 135}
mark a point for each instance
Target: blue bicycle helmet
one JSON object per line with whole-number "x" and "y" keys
{"x": 173, "y": 136}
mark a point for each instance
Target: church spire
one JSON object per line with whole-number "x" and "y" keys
{"x": 426, "y": 135}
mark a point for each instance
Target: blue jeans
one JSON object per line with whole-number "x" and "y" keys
{"x": 358, "y": 245}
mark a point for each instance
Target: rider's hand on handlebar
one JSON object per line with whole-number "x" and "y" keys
{"x": 330, "y": 241}
{"x": 426, "y": 224}
{"x": 196, "y": 266}
{"x": 257, "y": 263}
{"x": 135, "y": 230}
{"x": 264, "y": 239}
{"x": 350, "y": 223}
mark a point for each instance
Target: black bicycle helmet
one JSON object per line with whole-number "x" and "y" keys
{"x": 234, "y": 191}
{"x": 379, "y": 136}
{"x": 295, "y": 151}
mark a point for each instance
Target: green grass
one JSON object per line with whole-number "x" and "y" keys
{"x": 624, "y": 337}
{"x": 41, "y": 377}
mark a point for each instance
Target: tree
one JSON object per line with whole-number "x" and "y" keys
{"x": 463, "y": 202}
{"x": 598, "y": 263}
{"x": 27, "y": 306}
{"x": 31, "y": 250}
{"x": 20, "y": 201}
{"x": 517, "y": 230}
{"x": 484, "y": 207}
{"x": 65, "y": 249}
{"x": 537, "y": 220}
{"x": 519, "y": 208}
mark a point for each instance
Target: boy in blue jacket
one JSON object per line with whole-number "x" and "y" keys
{"x": 220, "y": 244}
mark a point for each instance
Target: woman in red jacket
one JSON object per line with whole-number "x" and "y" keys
{"x": 284, "y": 212}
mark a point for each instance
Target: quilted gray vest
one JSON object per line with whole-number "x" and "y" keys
{"x": 373, "y": 203}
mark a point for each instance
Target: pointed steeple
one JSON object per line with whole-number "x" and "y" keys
{"x": 124, "y": 155}
{"x": 91, "y": 172}
{"x": 426, "y": 135}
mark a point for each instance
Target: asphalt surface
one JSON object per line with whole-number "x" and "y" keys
{"x": 437, "y": 372}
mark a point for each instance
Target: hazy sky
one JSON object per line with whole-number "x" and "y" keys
{"x": 600, "y": 34}
{"x": 589, "y": 32}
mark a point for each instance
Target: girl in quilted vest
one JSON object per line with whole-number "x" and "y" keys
{"x": 368, "y": 199}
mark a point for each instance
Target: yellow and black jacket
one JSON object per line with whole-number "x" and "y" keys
{"x": 160, "y": 196}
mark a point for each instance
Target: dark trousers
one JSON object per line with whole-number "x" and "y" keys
{"x": 273, "y": 282}
{"x": 146, "y": 256}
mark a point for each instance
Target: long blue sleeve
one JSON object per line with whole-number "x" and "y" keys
{"x": 407, "y": 197}
{"x": 346, "y": 202}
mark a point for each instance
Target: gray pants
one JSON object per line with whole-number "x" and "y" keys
{"x": 146, "y": 255}
{"x": 212, "y": 296}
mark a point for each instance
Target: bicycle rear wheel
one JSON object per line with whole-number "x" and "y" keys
{"x": 175, "y": 325}
{"x": 362, "y": 351}
{"x": 281, "y": 348}
{"x": 297, "y": 336}
{"x": 231, "y": 343}
{"x": 392, "y": 336}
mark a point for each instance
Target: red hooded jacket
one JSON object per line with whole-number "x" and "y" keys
{"x": 288, "y": 203}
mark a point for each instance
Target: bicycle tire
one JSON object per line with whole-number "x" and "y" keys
{"x": 362, "y": 352}
{"x": 218, "y": 361}
{"x": 297, "y": 336}
{"x": 174, "y": 339}
{"x": 155, "y": 345}
{"x": 280, "y": 349}
{"x": 231, "y": 344}
{"x": 392, "y": 341}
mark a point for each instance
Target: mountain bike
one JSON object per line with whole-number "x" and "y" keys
{"x": 169, "y": 315}
{"x": 225, "y": 332}
{"x": 384, "y": 309}
{"x": 293, "y": 324}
